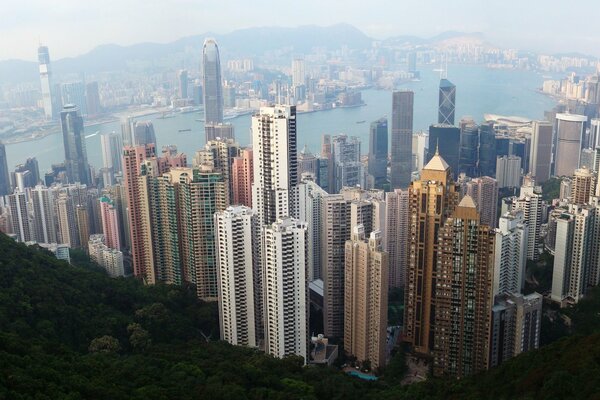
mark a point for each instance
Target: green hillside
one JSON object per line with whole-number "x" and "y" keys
{"x": 73, "y": 333}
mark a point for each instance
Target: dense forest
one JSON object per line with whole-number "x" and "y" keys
{"x": 71, "y": 332}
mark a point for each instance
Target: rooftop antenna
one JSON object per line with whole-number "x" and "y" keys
{"x": 437, "y": 147}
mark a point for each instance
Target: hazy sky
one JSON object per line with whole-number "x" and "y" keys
{"x": 73, "y": 27}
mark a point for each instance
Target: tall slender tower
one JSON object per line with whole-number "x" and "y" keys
{"x": 366, "y": 298}
{"x": 402, "y": 130}
{"x": 78, "y": 169}
{"x": 44, "y": 222}
{"x": 286, "y": 294}
{"x": 511, "y": 253}
{"x": 378, "y": 152}
{"x": 110, "y": 223}
{"x": 242, "y": 176}
{"x": 4, "y": 177}
{"x": 212, "y": 85}
{"x": 447, "y": 102}
{"x": 397, "y": 235}
{"x": 463, "y": 293}
{"x": 540, "y": 155}
{"x": 275, "y": 163}
{"x": 48, "y": 99}
{"x": 19, "y": 211}
{"x": 112, "y": 149}
{"x": 234, "y": 231}
{"x": 432, "y": 200}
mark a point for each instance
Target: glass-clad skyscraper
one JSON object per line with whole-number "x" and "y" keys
{"x": 74, "y": 141}
{"x": 447, "y": 104}
{"x": 212, "y": 85}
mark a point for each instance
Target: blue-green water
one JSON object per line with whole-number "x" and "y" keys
{"x": 479, "y": 91}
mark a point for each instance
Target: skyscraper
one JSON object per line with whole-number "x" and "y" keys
{"x": 397, "y": 235}
{"x": 378, "y": 152}
{"x": 110, "y": 223}
{"x": 19, "y": 211}
{"x": 540, "y": 156}
{"x": 583, "y": 186}
{"x": 275, "y": 163}
{"x": 310, "y": 199}
{"x": 487, "y": 149}
{"x": 212, "y": 84}
{"x": 463, "y": 293}
{"x": 92, "y": 98}
{"x": 44, "y": 222}
{"x": 214, "y": 130}
{"x": 570, "y": 130}
{"x": 432, "y": 200}
{"x": 469, "y": 147}
{"x": 308, "y": 163}
{"x": 298, "y": 71}
{"x": 447, "y": 102}
{"x": 112, "y": 149}
{"x": 508, "y": 171}
{"x": 4, "y": 177}
{"x": 348, "y": 170}
{"x": 242, "y": 176}
{"x": 76, "y": 162}
{"x": 182, "y": 84}
{"x": 445, "y": 139}
{"x": 74, "y": 93}
{"x": 143, "y": 133}
{"x": 286, "y": 288}
{"x": 366, "y": 298}
{"x": 484, "y": 192}
{"x": 530, "y": 202}
{"x": 235, "y": 241}
{"x": 402, "y": 130}
{"x": 48, "y": 99}
{"x": 512, "y": 237}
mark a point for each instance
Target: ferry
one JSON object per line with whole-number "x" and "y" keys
{"x": 185, "y": 130}
{"x": 361, "y": 122}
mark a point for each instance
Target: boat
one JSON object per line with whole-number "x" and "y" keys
{"x": 361, "y": 122}
{"x": 184, "y": 130}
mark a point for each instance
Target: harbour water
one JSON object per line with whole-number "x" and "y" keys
{"x": 479, "y": 91}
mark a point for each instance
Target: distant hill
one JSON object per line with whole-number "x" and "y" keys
{"x": 71, "y": 332}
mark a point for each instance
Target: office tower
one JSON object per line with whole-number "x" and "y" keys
{"x": 48, "y": 99}
{"x": 298, "y": 71}
{"x": 78, "y": 170}
{"x": 127, "y": 124}
{"x": 540, "y": 156}
{"x": 74, "y": 93}
{"x": 27, "y": 175}
{"x": 92, "y": 98}
{"x": 275, "y": 163}
{"x": 182, "y": 84}
{"x": 574, "y": 240}
{"x": 487, "y": 149}
{"x": 447, "y": 102}
{"x": 4, "y": 177}
{"x": 235, "y": 241}
{"x": 397, "y": 235}
{"x": 484, "y": 192}
{"x": 594, "y": 136}
{"x": 530, "y": 202}
{"x": 108, "y": 258}
{"x": 402, "y": 130}
{"x": 308, "y": 163}
{"x": 229, "y": 95}
{"x": 515, "y": 326}
{"x": 211, "y": 84}
{"x": 348, "y": 170}
{"x": 463, "y": 293}
{"x": 508, "y": 171}
{"x": 378, "y": 152}
{"x": 469, "y": 147}
{"x": 82, "y": 219}
{"x": 214, "y": 130}
{"x": 19, "y": 212}
{"x": 286, "y": 294}
{"x": 445, "y": 139}
{"x": 242, "y": 176}
{"x": 411, "y": 61}
{"x": 197, "y": 92}
{"x": 432, "y": 199}
{"x": 420, "y": 143}
{"x": 366, "y": 298}
{"x": 587, "y": 159}
{"x": 583, "y": 186}
{"x": 110, "y": 223}
{"x": 327, "y": 165}
{"x": 570, "y": 130}
{"x": 339, "y": 214}
{"x": 143, "y": 133}
{"x": 512, "y": 236}
{"x": 67, "y": 220}
{"x": 112, "y": 147}
{"x": 44, "y": 223}
{"x": 310, "y": 198}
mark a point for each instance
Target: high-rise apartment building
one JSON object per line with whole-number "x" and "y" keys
{"x": 110, "y": 223}
{"x": 570, "y": 131}
{"x": 366, "y": 298}
{"x": 530, "y": 202}
{"x": 484, "y": 192}
{"x": 463, "y": 293}
{"x": 378, "y": 152}
{"x": 48, "y": 98}
{"x": 348, "y": 170}
{"x": 235, "y": 241}
{"x": 242, "y": 176}
{"x": 397, "y": 235}
{"x": 508, "y": 171}
{"x": 112, "y": 149}
{"x": 4, "y": 176}
{"x": 19, "y": 211}
{"x": 108, "y": 258}
{"x": 512, "y": 236}
{"x": 212, "y": 85}
{"x": 67, "y": 220}
{"x": 310, "y": 198}
{"x": 447, "y": 102}
{"x": 583, "y": 186}
{"x": 218, "y": 130}
{"x": 432, "y": 199}
{"x": 308, "y": 163}
{"x": 285, "y": 288}
{"x": 76, "y": 163}
{"x": 401, "y": 141}
{"x": 540, "y": 155}
{"x": 44, "y": 220}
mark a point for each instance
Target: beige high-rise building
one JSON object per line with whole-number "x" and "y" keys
{"x": 397, "y": 235}
{"x": 582, "y": 186}
{"x": 340, "y": 213}
{"x": 67, "y": 221}
{"x": 83, "y": 225}
{"x": 463, "y": 294}
{"x": 432, "y": 200}
{"x": 366, "y": 298}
